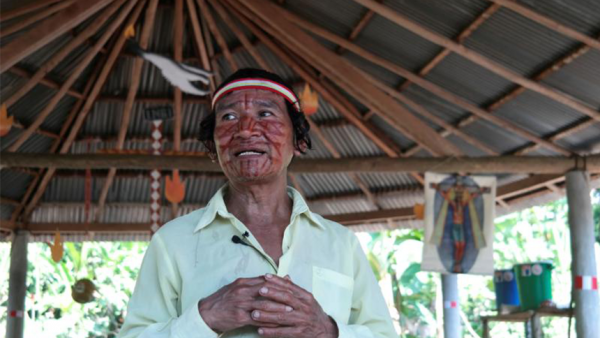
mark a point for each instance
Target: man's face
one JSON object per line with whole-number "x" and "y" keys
{"x": 253, "y": 135}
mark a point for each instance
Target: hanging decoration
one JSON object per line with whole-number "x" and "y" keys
{"x": 155, "y": 176}
{"x": 83, "y": 291}
{"x": 309, "y": 100}
{"x": 174, "y": 188}
{"x": 459, "y": 224}
{"x": 56, "y": 248}
{"x": 6, "y": 121}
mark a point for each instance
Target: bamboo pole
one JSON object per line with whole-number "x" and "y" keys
{"x": 63, "y": 52}
{"x": 47, "y": 31}
{"x": 496, "y": 164}
{"x": 89, "y": 101}
{"x": 89, "y": 56}
{"x": 177, "y": 96}
{"x": 136, "y": 73}
{"x": 16, "y": 70}
{"x": 479, "y": 59}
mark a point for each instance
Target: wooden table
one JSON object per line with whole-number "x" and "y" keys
{"x": 533, "y": 327}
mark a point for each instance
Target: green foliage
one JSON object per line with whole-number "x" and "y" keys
{"x": 51, "y": 312}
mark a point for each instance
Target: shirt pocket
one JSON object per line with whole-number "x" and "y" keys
{"x": 333, "y": 291}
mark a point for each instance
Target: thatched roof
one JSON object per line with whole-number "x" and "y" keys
{"x": 488, "y": 78}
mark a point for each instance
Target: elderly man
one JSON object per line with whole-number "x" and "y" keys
{"x": 256, "y": 261}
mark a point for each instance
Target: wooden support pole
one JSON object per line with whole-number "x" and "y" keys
{"x": 22, "y": 10}
{"x": 583, "y": 266}
{"x": 498, "y": 164}
{"x": 177, "y": 99}
{"x": 17, "y": 26}
{"x": 136, "y": 73}
{"x": 450, "y": 294}
{"x": 425, "y": 84}
{"x": 479, "y": 59}
{"x": 87, "y": 105}
{"x": 89, "y": 56}
{"x": 17, "y": 285}
{"x": 63, "y": 52}
{"x": 47, "y": 31}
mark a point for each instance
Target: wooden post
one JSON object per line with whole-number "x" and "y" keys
{"x": 17, "y": 285}
{"x": 452, "y": 326}
{"x": 583, "y": 266}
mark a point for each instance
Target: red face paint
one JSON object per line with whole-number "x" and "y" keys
{"x": 253, "y": 135}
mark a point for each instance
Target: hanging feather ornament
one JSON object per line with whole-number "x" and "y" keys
{"x": 174, "y": 188}
{"x": 83, "y": 291}
{"x": 6, "y": 122}
{"x": 56, "y": 248}
{"x": 178, "y": 74}
{"x": 309, "y": 100}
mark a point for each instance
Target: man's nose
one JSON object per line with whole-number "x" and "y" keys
{"x": 247, "y": 126}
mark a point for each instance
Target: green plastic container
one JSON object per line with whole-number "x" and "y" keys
{"x": 534, "y": 281}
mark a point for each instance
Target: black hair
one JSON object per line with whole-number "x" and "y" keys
{"x": 299, "y": 122}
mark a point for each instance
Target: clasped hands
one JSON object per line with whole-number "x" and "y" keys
{"x": 275, "y": 305}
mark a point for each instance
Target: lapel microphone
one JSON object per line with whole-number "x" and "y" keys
{"x": 237, "y": 240}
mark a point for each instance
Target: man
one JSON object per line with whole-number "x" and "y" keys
{"x": 256, "y": 261}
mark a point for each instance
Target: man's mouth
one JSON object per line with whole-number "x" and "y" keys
{"x": 252, "y": 152}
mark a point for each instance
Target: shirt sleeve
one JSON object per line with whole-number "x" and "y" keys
{"x": 369, "y": 316}
{"x": 152, "y": 310}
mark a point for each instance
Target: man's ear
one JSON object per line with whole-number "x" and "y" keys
{"x": 300, "y": 148}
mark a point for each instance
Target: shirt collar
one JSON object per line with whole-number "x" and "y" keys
{"x": 216, "y": 205}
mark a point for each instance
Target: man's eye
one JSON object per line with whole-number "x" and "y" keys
{"x": 265, "y": 113}
{"x": 228, "y": 117}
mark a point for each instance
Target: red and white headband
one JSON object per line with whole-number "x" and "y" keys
{"x": 257, "y": 83}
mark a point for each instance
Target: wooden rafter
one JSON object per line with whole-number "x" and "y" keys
{"x": 37, "y": 175}
{"x": 212, "y": 25}
{"x": 460, "y": 38}
{"x": 22, "y": 10}
{"x": 187, "y": 99}
{"x": 17, "y": 26}
{"x": 240, "y": 35}
{"x": 425, "y": 84}
{"x": 63, "y": 52}
{"x": 339, "y": 70}
{"x": 136, "y": 74}
{"x": 550, "y": 23}
{"x": 479, "y": 59}
{"x": 73, "y": 76}
{"x": 489, "y": 164}
{"x": 44, "y": 81}
{"x": 38, "y": 131}
{"x": 47, "y": 31}
{"x": 358, "y": 27}
{"x": 201, "y": 50}
{"x": 87, "y": 105}
{"x": 178, "y": 24}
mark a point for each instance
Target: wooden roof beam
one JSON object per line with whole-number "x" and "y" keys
{"x": 212, "y": 25}
{"x": 136, "y": 74}
{"x": 64, "y": 52}
{"x": 488, "y": 164}
{"x": 460, "y": 38}
{"x": 47, "y": 31}
{"x": 19, "y": 11}
{"x": 338, "y": 69}
{"x": 201, "y": 50}
{"x": 44, "y": 81}
{"x": 187, "y": 99}
{"x": 358, "y": 27}
{"x": 479, "y": 59}
{"x": 425, "y": 84}
{"x": 549, "y": 23}
{"x": 86, "y": 106}
{"x": 17, "y": 26}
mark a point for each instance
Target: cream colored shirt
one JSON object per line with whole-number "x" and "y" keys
{"x": 193, "y": 256}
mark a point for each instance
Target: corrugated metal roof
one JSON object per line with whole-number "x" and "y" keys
{"x": 13, "y": 183}
{"x": 6, "y": 211}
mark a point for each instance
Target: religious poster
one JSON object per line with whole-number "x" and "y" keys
{"x": 459, "y": 224}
